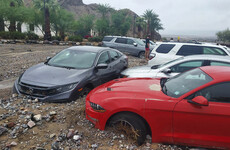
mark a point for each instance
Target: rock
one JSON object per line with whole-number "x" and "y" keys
{"x": 13, "y": 143}
{"x": 55, "y": 146}
{"x": 76, "y": 137}
{"x": 10, "y": 125}
{"x": 36, "y": 100}
{"x": 94, "y": 146}
{"x": 38, "y": 117}
{"x": 52, "y": 135}
{"x": 14, "y": 95}
{"x": 70, "y": 133}
{"x": 31, "y": 124}
{"x": 3, "y": 130}
{"x": 53, "y": 113}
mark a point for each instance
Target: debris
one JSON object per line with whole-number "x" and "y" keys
{"x": 31, "y": 124}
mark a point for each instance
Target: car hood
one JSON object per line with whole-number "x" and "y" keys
{"x": 45, "y": 75}
{"x": 128, "y": 88}
{"x": 140, "y": 71}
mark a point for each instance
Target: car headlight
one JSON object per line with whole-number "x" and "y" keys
{"x": 66, "y": 88}
{"x": 97, "y": 107}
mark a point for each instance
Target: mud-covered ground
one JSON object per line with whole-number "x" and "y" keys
{"x": 32, "y": 125}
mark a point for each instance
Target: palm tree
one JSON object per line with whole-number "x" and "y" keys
{"x": 140, "y": 22}
{"x": 49, "y": 5}
{"x": 153, "y": 22}
{"x": 103, "y": 9}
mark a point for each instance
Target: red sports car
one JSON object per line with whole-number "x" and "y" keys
{"x": 192, "y": 108}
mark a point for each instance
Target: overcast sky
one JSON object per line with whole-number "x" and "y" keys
{"x": 181, "y": 17}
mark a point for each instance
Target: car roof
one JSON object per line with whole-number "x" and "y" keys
{"x": 115, "y": 36}
{"x": 89, "y": 48}
{"x": 198, "y": 44}
{"x": 217, "y": 72}
{"x": 208, "y": 57}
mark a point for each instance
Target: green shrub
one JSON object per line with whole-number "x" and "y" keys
{"x": 31, "y": 36}
{"x": 76, "y": 38}
{"x": 95, "y": 39}
{"x": 12, "y": 35}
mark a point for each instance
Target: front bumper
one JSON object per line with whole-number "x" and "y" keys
{"x": 60, "y": 97}
{"x": 95, "y": 117}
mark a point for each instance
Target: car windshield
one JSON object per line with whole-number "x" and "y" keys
{"x": 73, "y": 59}
{"x": 185, "y": 82}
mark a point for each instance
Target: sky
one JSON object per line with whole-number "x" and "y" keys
{"x": 181, "y": 17}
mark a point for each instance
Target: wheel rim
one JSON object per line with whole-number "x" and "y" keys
{"x": 142, "y": 55}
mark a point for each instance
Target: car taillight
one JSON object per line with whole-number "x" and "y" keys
{"x": 151, "y": 56}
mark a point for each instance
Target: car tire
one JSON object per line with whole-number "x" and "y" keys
{"x": 135, "y": 122}
{"x": 141, "y": 55}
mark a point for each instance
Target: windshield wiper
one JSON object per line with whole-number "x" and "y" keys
{"x": 67, "y": 67}
{"x": 164, "y": 89}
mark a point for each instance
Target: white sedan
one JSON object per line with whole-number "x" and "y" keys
{"x": 177, "y": 66}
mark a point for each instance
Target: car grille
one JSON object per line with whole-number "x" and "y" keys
{"x": 33, "y": 90}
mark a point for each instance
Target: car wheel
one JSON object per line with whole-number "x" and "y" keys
{"x": 132, "y": 125}
{"x": 141, "y": 55}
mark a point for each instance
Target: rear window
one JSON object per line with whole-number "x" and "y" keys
{"x": 107, "y": 39}
{"x": 193, "y": 50}
{"x": 165, "y": 48}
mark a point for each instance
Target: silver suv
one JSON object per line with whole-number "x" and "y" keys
{"x": 133, "y": 46}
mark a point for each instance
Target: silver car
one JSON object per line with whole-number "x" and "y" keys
{"x": 177, "y": 66}
{"x": 133, "y": 46}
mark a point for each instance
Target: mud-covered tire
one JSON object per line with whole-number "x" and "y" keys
{"x": 136, "y": 123}
{"x": 141, "y": 55}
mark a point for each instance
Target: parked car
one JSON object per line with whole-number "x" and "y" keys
{"x": 133, "y": 46}
{"x": 70, "y": 73}
{"x": 165, "y": 52}
{"x": 152, "y": 44}
{"x": 176, "y": 66}
{"x": 190, "y": 109}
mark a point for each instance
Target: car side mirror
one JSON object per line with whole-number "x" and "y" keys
{"x": 167, "y": 71}
{"x": 47, "y": 59}
{"x": 135, "y": 44}
{"x": 101, "y": 66}
{"x": 199, "y": 100}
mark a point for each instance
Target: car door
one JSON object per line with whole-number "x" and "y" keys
{"x": 120, "y": 44}
{"x": 116, "y": 64}
{"x": 204, "y": 125}
{"x": 179, "y": 68}
{"x": 104, "y": 75}
{"x": 131, "y": 48}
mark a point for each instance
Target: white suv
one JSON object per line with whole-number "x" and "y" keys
{"x": 167, "y": 51}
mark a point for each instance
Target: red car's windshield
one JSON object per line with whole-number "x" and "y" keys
{"x": 185, "y": 82}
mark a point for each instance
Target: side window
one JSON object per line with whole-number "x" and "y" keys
{"x": 130, "y": 42}
{"x": 216, "y": 93}
{"x": 213, "y": 50}
{"x": 104, "y": 58}
{"x": 107, "y": 39}
{"x": 165, "y": 48}
{"x": 114, "y": 55}
{"x": 190, "y": 50}
{"x": 182, "y": 67}
{"x": 121, "y": 40}
{"x": 216, "y": 63}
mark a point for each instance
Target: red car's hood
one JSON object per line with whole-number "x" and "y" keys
{"x": 138, "y": 88}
